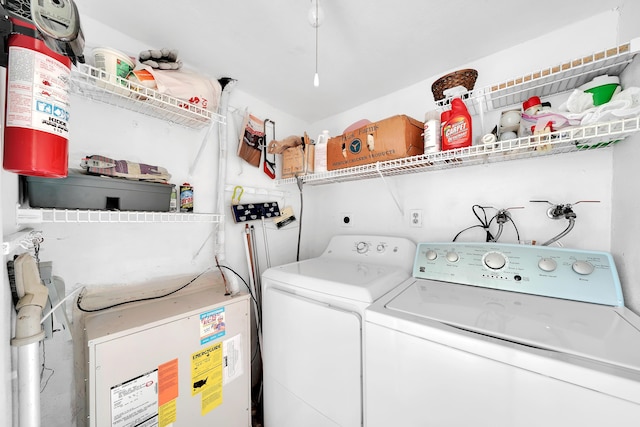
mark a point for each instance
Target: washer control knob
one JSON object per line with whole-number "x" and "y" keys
{"x": 452, "y": 256}
{"x": 494, "y": 260}
{"x": 583, "y": 267}
{"x": 381, "y": 247}
{"x": 431, "y": 255}
{"x": 547, "y": 264}
{"x": 362, "y": 247}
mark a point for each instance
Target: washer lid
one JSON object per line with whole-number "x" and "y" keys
{"x": 597, "y": 332}
{"x": 357, "y": 281}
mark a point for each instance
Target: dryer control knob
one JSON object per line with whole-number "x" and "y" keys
{"x": 583, "y": 267}
{"x": 362, "y": 247}
{"x": 381, "y": 247}
{"x": 547, "y": 264}
{"x": 431, "y": 255}
{"x": 452, "y": 256}
{"x": 494, "y": 260}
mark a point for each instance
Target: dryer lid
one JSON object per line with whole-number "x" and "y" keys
{"x": 597, "y": 332}
{"x": 357, "y": 281}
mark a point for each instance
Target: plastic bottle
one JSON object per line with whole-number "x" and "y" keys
{"x": 456, "y": 133}
{"x": 186, "y": 197}
{"x": 444, "y": 118}
{"x": 320, "y": 161}
{"x": 173, "y": 201}
{"x": 432, "y": 132}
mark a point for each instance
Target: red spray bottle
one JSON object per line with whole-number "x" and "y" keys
{"x": 456, "y": 132}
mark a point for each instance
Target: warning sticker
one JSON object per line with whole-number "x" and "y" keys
{"x": 37, "y": 92}
{"x": 232, "y": 359}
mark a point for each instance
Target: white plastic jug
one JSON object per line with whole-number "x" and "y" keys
{"x": 320, "y": 162}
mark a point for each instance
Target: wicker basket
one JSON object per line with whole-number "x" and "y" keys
{"x": 466, "y": 78}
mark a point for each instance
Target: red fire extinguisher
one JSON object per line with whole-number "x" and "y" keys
{"x": 37, "y": 103}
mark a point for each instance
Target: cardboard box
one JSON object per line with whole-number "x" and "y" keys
{"x": 297, "y": 161}
{"x": 388, "y": 139}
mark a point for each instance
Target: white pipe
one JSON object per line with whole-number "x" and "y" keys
{"x": 223, "y": 109}
{"x": 29, "y": 385}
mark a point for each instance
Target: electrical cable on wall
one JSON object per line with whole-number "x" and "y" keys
{"x": 93, "y": 310}
{"x": 300, "y": 182}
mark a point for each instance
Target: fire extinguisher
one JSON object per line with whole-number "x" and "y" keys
{"x": 40, "y": 52}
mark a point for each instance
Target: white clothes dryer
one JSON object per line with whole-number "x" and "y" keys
{"x": 503, "y": 336}
{"x": 312, "y": 319}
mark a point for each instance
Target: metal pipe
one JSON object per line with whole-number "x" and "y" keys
{"x": 29, "y": 385}
{"x": 33, "y": 296}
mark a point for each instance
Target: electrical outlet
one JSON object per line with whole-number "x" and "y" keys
{"x": 346, "y": 219}
{"x": 415, "y": 218}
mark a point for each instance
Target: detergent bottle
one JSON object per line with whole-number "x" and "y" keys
{"x": 320, "y": 161}
{"x": 456, "y": 132}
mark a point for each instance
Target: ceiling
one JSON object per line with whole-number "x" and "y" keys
{"x": 366, "y": 48}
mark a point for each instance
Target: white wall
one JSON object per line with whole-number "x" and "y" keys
{"x": 626, "y": 203}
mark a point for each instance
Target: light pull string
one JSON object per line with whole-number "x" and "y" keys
{"x": 316, "y": 78}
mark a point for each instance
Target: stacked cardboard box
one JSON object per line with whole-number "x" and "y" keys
{"x": 388, "y": 139}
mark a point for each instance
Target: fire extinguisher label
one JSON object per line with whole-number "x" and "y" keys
{"x": 37, "y": 92}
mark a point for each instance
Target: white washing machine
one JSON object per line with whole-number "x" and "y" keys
{"x": 312, "y": 319}
{"x": 503, "y": 335}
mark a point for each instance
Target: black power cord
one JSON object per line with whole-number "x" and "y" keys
{"x": 94, "y": 310}
{"x": 501, "y": 217}
{"x": 484, "y": 223}
{"x": 300, "y": 182}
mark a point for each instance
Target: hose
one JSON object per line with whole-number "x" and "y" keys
{"x": 572, "y": 222}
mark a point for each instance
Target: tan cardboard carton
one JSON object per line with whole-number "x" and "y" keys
{"x": 388, "y": 139}
{"x": 297, "y": 161}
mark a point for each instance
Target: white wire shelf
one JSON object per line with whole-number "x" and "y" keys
{"x": 568, "y": 140}
{"x": 548, "y": 81}
{"x": 38, "y": 216}
{"x": 98, "y": 85}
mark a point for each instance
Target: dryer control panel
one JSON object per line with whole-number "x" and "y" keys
{"x": 572, "y": 274}
{"x": 385, "y": 250}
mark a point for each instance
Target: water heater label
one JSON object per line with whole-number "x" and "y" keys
{"x": 206, "y": 377}
{"x": 135, "y": 402}
{"x": 232, "y": 359}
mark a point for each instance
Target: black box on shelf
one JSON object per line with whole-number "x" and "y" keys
{"x": 83, "y": 191}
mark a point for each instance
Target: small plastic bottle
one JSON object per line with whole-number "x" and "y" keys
{"x": 320, "y": 161}
{"x": 173, "y": 202}
{"x": 432, "y": 132}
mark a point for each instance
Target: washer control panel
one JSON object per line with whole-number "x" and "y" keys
{"x": 572, "y": 274}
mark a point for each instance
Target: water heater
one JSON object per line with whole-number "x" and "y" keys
{"x": 176, "y": 361}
